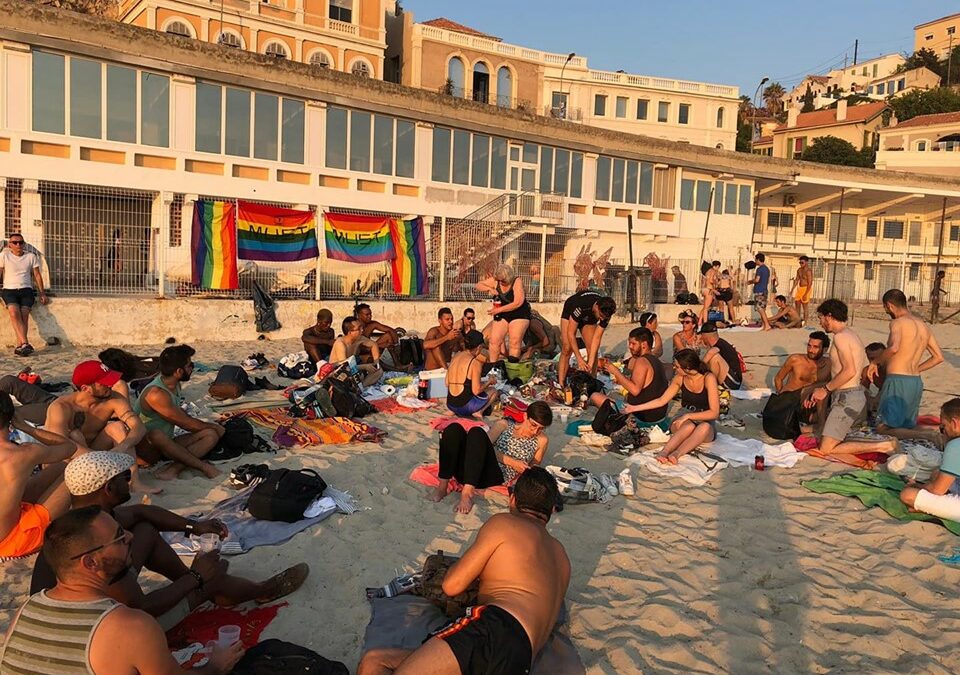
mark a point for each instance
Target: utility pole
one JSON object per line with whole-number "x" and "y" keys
{"x": 836, "y": 251}
{"x": 949, "y": 58}
{"x": 935, "y": 295}
{"x": 856, "y": 48}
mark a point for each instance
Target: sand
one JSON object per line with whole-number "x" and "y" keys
{"x": 751, "y": 573}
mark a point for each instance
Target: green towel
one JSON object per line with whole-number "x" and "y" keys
{"x": 875, "y": 488}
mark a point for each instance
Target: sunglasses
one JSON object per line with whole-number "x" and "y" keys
{"x": 121, "y": 535}
{"x": 16, "y": 242}
{"x": 687, "y": 321}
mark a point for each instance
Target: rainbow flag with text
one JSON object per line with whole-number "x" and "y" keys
{"x": 410, "y": 261}
{"x": 275, "y": 234}
{"x": 213, "y": 245}
{"x": 356, "y": 238}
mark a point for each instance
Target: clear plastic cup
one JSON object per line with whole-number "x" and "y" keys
{"x": 564, "y": 417}
{"x": 228, "y": 635}
{"x": 209, "y": 542}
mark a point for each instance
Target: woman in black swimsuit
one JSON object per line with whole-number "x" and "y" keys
{"x": 512, "y": 316}
{"x": 699, "y": 395}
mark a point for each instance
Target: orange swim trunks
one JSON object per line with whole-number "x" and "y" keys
{"x": 26, "y": 536}
{"x": 803, "y": 294}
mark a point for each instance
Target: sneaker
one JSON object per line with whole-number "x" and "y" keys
{"x": 18, "y": 351}
{"x": 731, "y": 422}
{"x": 657, "y": 435}
{"x": 26, "y": 350}
{"x": 625, "y": 483}
{"x": 608, "y": 484}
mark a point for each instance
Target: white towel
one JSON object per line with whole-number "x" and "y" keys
{"x": 741, "y": 452}
{"x": 751, "y": 394}
{"x": 690, "y": 469}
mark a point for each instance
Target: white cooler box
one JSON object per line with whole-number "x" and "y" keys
{"x": 436, "y": 382}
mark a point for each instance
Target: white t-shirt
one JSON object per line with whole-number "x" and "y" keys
{"x": 18, "y": 269}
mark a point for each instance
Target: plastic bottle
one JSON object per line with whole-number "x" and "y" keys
{"x": 423, "y": 390}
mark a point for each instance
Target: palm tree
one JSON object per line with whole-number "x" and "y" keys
{"x": 773, "y": 98}
{"x": 745, "y": 109}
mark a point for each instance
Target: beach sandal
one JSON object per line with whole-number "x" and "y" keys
{"x": 288, "y": 581}
{"x": 953, "y": 560}
{"x": 699, "y": 454}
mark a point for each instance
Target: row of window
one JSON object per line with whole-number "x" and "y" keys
{"x": 365, "y": 142}
{"x": 621, "y": 104}
{"x": 816, "y": 225}
{"x": 106, "y": 101}
{"x": 479, "y": 81}
{"x": 559, "y": 170}
{"x": 237, "y": 121}
{"x": 728, "y": 198}
{"x": 888, "y": 88}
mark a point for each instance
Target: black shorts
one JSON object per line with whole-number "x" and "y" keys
{"x": 725, "y": 294}
{"x": 488, "y": 640}
{"x": 24, "y": 297}
{"x": 521, "y": 312}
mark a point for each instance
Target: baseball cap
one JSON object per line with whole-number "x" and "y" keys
{"x": 94, "y": 372}
{"x": 92, "y": 470}
{"x": 708, "y": 327}
{"x": 473, "y": 339}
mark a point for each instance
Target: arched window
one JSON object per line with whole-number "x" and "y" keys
{"x": 719, "y": 146}
{"x": 361, "y": 68}
{"x": 177, "y": 27}
{"x": 720, "y": 114}
{"x": 455, "y": 76}
{"x": 504, "y": 87}
{"x": 277, "y": 50}
{"x": 228, "y": 38}
{"x": 481, "y": 82}
{"x": 320, "y": 59}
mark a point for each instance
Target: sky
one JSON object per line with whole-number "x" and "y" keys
{"x": 726, "y": 42}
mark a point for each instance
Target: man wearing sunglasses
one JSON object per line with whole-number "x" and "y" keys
{"x": 82, "y": 629}
{"x": 103, "y": 479}
{"x": 20, "y": 270}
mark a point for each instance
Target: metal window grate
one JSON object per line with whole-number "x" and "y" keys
{"x": 12, "y": 205}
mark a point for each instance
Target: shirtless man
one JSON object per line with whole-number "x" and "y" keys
{"x": 647, "y": 380}
{"x": 786, "y": 316}
{"x": 542, "y": 337}
{"x": 848, "y": 402}
{"x": 442, "y": 341}
{"x": 710, "y": 281}
{"x": 318, "y": 340}
{"x": 29, "y": 501}
{"x": 523, "y": 573}
{"x": 385, "y": 336}
{"x": 802, "y": 288}
{"x": 910, "y": 339}
{"x": 96, "y": 417}
{"x": 348, "y": 345}
{"x": 802, "y": 370}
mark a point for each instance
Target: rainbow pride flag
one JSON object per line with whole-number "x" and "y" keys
{"x": 275, "y": 234}
{"x": 213, "y": 245}
{"x": 410, "y": 263}
{"x": 358, "y": 239}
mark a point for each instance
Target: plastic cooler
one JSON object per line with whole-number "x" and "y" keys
{"x": 436, "y": 382}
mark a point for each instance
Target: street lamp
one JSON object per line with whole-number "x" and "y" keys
{"x": 753, "y": 112}
{"x": 563, "y": 100}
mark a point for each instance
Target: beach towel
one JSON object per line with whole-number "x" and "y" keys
{"x": 402, "y": 622}
{"x": 690, "y": 468}
{"x": 874, "y": 488}
{"x": 291, "y": 432}
{"x": 429, "y": 475}
{"x": 809, "y": 444}
{"x": 203, "y": 624}
{"x": 751, "y": 394}
{"x": 252, "y": 400}
{"x": 438, "y": 424}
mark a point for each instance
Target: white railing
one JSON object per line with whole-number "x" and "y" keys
{"x": 658, "y": 83}
{"x": 486, "y": 44}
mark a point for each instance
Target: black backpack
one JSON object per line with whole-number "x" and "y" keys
{"x": 276, "y": 657}
{"x": 285, "y": 494}
{"x": 411, "y": 352}
{"x": 781, "y": 416}
{"x": 347, "y": 398}
{"x": 582, "y": 384}
{"x": 608, "y": 421}
{"x": 231, "y": 382}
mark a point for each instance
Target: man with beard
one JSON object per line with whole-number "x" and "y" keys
{"x": 902, "y": 361}
{"x": 647, "y": 380}
{"x": 103, "y": 479}
{"x": 793, "y": 383}
{"x": 76, "y": 627}
{"x": 442, "y": 341}
{"x": 160, "y": 411}
{"x": 96, "y": 417}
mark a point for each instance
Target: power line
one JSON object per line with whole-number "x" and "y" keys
{"x": 806, "y": 71}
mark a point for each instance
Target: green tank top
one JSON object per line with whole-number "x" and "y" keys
{"x": 150, "y": 419}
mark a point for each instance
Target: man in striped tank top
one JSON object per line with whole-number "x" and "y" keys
{"x": 75, "y": 627}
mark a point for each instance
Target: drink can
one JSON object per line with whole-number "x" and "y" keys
{"x": 758, "y": 462}
{"x": 497, "y": 303}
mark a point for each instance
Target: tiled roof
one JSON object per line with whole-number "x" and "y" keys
{"x": 447, "y": 24}
{"x": 828, "y": 117}
{"x": 763, "y": 140}
{"x": 930, "y": 120}
{"x": 822, "y": 79}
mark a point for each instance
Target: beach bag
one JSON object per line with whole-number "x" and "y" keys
{"x": 430, "y": 586}
{"x": 582, "y": 384}
{"x": 521, "y": 370}
{"x": 347, "y": 399}
{"x": 295, "y": 366}
{"x": 515, "y": 409}
{"x": 264, "y": 310}
{"x": 608, "y": 420}
{"x": 781, "y": 416}
{"x": 411, "y": 352}
{"x": 576, "y": 485}
{"x": 285, "y": 494}
{"x": 230, "y": 382}
{"x": 277, "y": 657}
{"x": 715, "y": 315}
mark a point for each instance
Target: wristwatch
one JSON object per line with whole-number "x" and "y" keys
{"x": 190, "y": 527}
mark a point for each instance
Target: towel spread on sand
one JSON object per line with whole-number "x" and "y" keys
{"x": 875, "y": 488}
{"x": 751, "y": 394}
{"x": 441, "y": 423}
{"x": 390, "y": 405}
{"x": 203, "y": 624}
{"x": 292, "y": 432}
{"x": 402, "y": 622}
{"x": 429, "y": 475}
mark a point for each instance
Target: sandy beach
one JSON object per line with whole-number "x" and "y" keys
{"x": 751, "y": 573}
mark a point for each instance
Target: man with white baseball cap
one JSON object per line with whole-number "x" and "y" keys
{"x": 97, "y": 417}
{"x": 103, "y": 479}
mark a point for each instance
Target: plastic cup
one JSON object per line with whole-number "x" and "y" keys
{"x": 210, "y": 646}
{"x": 228, "y": 635}
{"x": 209, "y": 542}
{"x": 564, "y": 417}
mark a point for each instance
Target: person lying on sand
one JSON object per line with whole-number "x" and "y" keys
{"x": 29, "y": 500}
{"x": 939, "y": 496}
{"x": 160, "y": 411}
{"x": 34, "y": 399}
{"x": 467, "y": 394}
{"x": 96, "y": 417}
{"x": 524, "y": 574}
{"x": 479, "y": 460}
{"x": 318, "y": 339}
{"x": 87, "y": 549}
{"x": 647, "y": 380}
{"x": 699, "y": 395}
{"x": 786, "y": 316}
{"x": 102, "y": 479}
{"x": 349, "y": 344}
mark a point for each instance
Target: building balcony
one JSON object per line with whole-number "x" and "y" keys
{"x": 563, "y": 113}
{"x": 663, "y": 84}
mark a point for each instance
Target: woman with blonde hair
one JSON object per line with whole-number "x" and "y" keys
{"x": 510, "y": 313}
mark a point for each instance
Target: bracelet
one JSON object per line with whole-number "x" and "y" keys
{"x": 196, "y": 575}
{"x": 190, "y": 526}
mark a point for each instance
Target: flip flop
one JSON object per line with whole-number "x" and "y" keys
{"x": 288, "y": 581}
